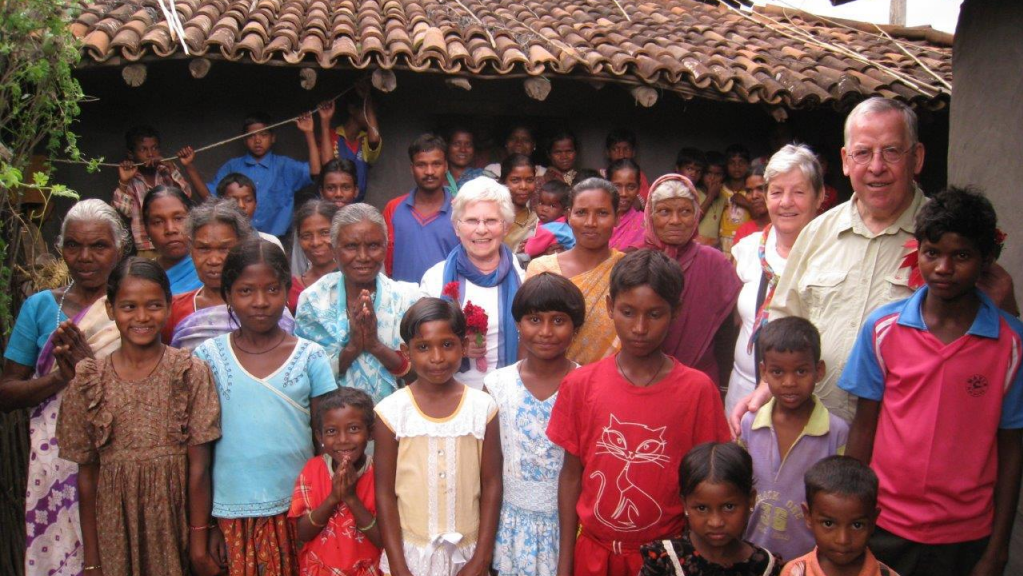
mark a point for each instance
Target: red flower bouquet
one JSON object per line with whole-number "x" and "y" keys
{"x": 476, "y": 323}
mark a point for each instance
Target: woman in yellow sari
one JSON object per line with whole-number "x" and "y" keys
{"x": 54, "y": 331}
{"x": 592, "y": 214}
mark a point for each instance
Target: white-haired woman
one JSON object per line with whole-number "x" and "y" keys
{"x": 486, "y": 273}
{"x": 355, "y": 313}
{"x": 55, "y": 330}
{"x": 795, "y": 186}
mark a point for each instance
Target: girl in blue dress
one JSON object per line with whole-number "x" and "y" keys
{"x": 548, "y": 310}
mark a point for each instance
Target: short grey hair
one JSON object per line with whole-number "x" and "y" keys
{"x": 483, "y": 189}
{"x": 879, "y": 105}
{"x": 354, "y": 214}
{"x": 223, "y": 211}
{"x": 96, "y": 210}
{"x": 671, "y": 189}
{"x": 792, "y": 157}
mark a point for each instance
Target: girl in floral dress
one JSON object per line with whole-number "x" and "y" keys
{"x": 548, "y": 309}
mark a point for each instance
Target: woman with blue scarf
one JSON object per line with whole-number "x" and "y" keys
{"x": 485, "y": 272}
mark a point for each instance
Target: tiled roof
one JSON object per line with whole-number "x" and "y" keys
{"x": 789, "y": 59}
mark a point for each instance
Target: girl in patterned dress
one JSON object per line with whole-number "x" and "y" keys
{"x": 718, "y": 495}
{"x": 548, "y": 309}
{"x": 438, "y": 456}
{"x": 140, "y": 423}
{"x": 269, "y": 383}
{"x": 333, "y": 504}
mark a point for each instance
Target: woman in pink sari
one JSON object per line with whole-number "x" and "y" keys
{"x": 711, "y": 286}
{"x": 629, "y": 234}
{"x": 60, "y": 327}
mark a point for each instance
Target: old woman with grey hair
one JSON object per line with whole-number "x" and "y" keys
{"x": 212, "y": 229}
{"x": 55, "y": 330}
{"x": 355, "y": 313}
{"x": 795, "y": 188}
{"x": 485, "y": 272}
{"x": 710, "y": 287}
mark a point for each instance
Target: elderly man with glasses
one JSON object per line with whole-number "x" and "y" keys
{"x": 849, "y": 261}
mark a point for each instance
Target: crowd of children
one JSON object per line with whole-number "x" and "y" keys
{"x": 220, "y": 439}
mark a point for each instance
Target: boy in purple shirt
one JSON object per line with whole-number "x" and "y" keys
{"x": 788, "y": 435}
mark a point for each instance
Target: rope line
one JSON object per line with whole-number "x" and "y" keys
{"x": 215, "y": 144}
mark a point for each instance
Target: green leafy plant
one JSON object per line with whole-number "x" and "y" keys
{"x": 39, "y": 99}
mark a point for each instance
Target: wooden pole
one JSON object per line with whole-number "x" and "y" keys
{"x": 897, "y": 13}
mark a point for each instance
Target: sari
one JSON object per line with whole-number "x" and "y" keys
{"x": 629, "y": 231}
{"x": 211, "y": 322}
{"x": 710, "y": 291}
{"x": 322, "y": 316}
{"x": 183, "y": 277}
{"x": 596, "y": 339}
{"x": 53, "y": 529}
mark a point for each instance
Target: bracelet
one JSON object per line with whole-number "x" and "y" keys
{"x": 309, "y": 515}
{"x": 199, "y": 528}
{"x": 88, "y": 568}
{"x": 368, "y": 528}
{"x": 405, "y": 368}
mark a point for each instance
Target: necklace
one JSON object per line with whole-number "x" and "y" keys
{"x": 626, "y": 376}
{"x": 234, "y": 340}
{"x": 60, "y": 307}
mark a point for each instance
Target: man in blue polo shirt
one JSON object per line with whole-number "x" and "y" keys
{"x": 277, "y": 178}
{"x": 419, "y": 223}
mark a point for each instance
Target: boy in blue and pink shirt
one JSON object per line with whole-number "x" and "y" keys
{"x": 940, "y": 408}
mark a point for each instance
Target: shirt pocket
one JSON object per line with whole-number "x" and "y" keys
{"x": 897, "y": 287}
{"x": 821, "y": 290}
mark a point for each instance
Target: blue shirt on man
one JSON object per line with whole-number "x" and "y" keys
{"x": 418, "y": 242}
{"x": 278, "y": 178}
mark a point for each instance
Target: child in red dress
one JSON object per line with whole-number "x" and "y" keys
{"x": 333, "y": 503}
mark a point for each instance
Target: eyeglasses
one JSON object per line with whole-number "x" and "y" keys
{"x": 890, "y": 155}
{"x": 474, "y": 223}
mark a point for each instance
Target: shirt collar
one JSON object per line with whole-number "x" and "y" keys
{"x": 264, "y": 161}
{"x": 410, "y": 200}
{"x": 851, "y": 219}
{"x": 819, "y": 423}
{"x": 985, "y": 325}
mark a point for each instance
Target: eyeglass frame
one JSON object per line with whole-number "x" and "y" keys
{"x": 496, "y": 223}
{"x": 854, "y": 154}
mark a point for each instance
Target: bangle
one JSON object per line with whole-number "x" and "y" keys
{"x": 368, "y": 528}
{"x": 404, "y": 368}
{"x": 88, "y": 568}
{"x": 199, "y": 528}
{"x": 309, "y": 515}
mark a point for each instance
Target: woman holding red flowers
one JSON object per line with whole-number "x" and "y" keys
{"x": 482, "y": 275}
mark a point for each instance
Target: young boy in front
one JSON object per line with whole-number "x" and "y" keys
{"x": 941, "y": 402}
{"x": 277, "y": 178}
{"x": 625, "y": 423}
{"x": 840, "y": 511}
{"x": 788, "y": 435}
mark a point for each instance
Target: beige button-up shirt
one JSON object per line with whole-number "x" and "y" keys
{"x": 838, "y": 272}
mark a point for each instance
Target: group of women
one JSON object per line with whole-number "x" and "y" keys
{"x": 344, "y": 301}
